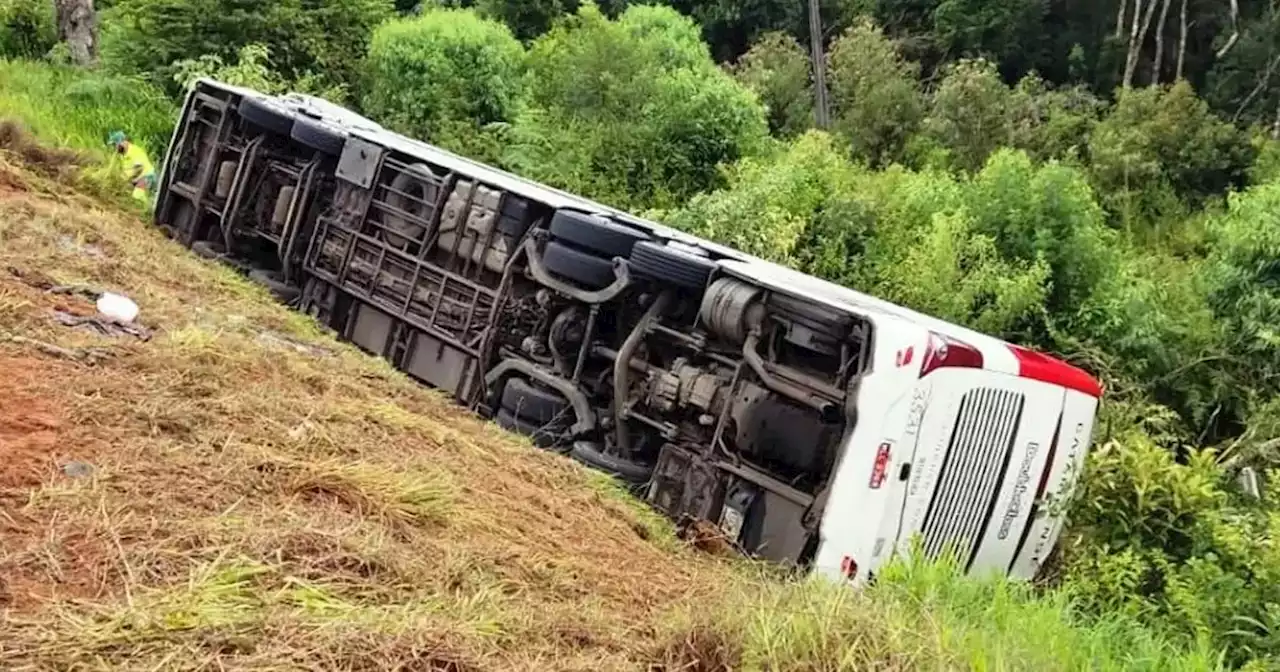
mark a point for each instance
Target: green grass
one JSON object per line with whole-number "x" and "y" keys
{"x": 73, "y": 108}
{"x": 918, "y": 616}
{"x": 262, "y": 506}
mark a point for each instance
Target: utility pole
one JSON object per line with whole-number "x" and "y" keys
{"x": 822, "y": 110}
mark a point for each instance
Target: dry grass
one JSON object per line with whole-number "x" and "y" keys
{"x": 257, "y": 505}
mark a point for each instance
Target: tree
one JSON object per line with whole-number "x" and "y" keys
{"x": 1007, "y": 31}
{"x": 1244, "y": 274}
{"x": 876, "y": 98}
{"x": 731, "y": 26}
{"x": 1165, "y": 138}
{"x": 971, "y": 113}
{"x": 770, "y": 203}
{"x": 777, "y": 69}
{"x": 1048, "y": 213}
{"x": 28, "y": 28}
{"x": 321, "y": 39}
{"x": 958, "y": 274}
{"x": 1053, "y": 123}
{"x": 78, "y": 28}
{"x": 526, "y": 18}
{"x": 1244, "y": 85}
{"x": 632, "y": 111}
{"x": 444, "y": 76}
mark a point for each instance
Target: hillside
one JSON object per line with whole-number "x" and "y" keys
{"x": 233, "y": 489}
{"x": 261, "y": 493}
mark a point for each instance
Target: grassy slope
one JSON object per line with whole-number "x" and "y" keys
{"x": 264, "y": 497}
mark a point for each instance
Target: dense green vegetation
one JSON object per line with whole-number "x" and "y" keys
{"x": 1079, "y": 179}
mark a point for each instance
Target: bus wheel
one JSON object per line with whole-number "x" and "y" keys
{"x": 543, "y": 435}
{"x": 590, "y": 454}
{"x": 273, "y": 282}
{"x": 581, "y": 267}
{"x": 595, "y": 234}
{"x": 317, "y": 136}
{"x": 674, "y": 264}
{"x": 525, "y": 401}
{"x": 265, "y": 115}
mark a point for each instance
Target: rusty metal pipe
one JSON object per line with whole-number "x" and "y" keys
{"x": 827, "y": 410}
{"x": 622, "y": 370}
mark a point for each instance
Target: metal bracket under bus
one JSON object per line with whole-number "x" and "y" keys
{"x": 581, "y": 406}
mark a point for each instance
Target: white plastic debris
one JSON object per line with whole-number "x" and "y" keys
{"x": 119, "y": 308}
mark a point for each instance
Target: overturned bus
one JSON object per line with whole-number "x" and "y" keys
{"x": 813, "y": 424}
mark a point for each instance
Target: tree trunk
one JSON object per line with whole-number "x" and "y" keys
{"x": 1124, "y": 4}
{"x": 1235, "y": 30}
{"x": 1264, "y": 80}
{"x": 1182, "y": 41}
{"x": 1159, "y": 57}
{"x": 78, "y": 27}
{"x": 1137, "y": 35}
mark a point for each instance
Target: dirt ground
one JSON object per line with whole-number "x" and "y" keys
{"x": 29, "y": 424}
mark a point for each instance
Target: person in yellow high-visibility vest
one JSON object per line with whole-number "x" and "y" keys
{"x": 137, "y": 165}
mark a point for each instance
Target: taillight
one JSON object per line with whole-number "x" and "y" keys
{"x": 1041, "y": 367}
{"x": 881, "y": 466}
{"x": 945, "y": 352}
{"x": 849, "y": 567}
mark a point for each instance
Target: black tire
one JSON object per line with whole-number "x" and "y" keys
{"x": 241, "y": 267}
{"x": 267, "y": 116}
{"x": 589, "y": 454}
{"x": 527, "y": 402}
{"x": 318, "y": 136}
{"x": 207, "y": 249}
{"x": 583, "y": 268}
{"x": 597, "y": 234}
{"x": 275, "y": 284}
{"x": 542, "y": 436}
{"x": 417, "y": 178}
{"x": 671, "y": 264}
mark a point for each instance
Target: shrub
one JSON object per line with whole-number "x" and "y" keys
{"x": 876, "y": 100}
{"x": 1243, "y": 270}
{"x": 444, "y": 76}
{"x": 1165, "y": 139}
{"x": 27, "y": 28}
{"x": 777, "y": 69}
{"x": 905, "y": 237}
{"x": 958, "y": 274}
{"x": 971, "y": 113}
{"x": 315, "y": 38}
{"x": 251, "y": 70}
{"x": 771, "y": 202}
{"x": 1054, "y": 123}
{"x": 1166, "y": 542}
{"x": 1044, "y": 212}
{"x": 632, "y": 111}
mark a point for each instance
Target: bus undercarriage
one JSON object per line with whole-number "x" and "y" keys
{"x": 621, "y": 345}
